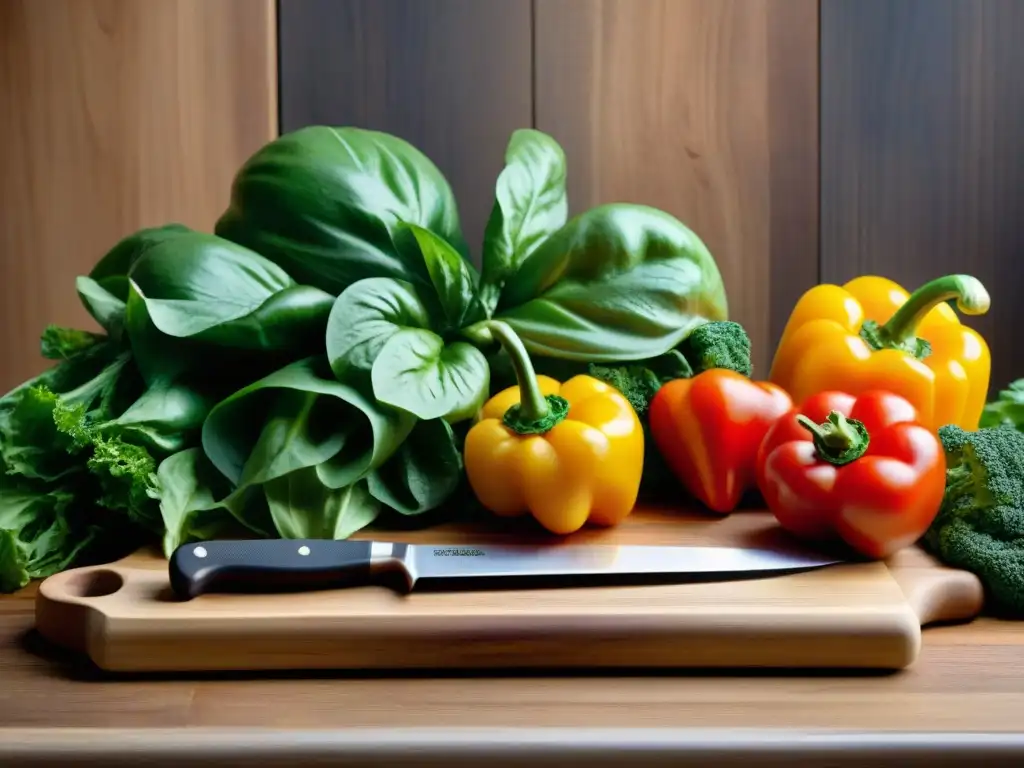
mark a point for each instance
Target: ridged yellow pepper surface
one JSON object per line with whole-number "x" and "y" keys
{"x": 569, "y": 454}
{"x": 871, "y": 334}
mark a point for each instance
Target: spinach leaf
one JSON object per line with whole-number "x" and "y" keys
{"x": 304, "y": 508}
{"x": 112, "y": 270}
{"x": 418, "y": 372}
{"x": 302, "y": 416}
{"x": 326, "y": 204}
{"x": 192, "y": 494}
{"x": 104, "y": 292}
{"x": 530, "y": 205}
{"x": 387, "y": 327}
{"x": 165, "y": 419}
{"x": 203, "y": 286}
{"x": 106, "y": 309}
{"x": 619, "y": 282}
{"x": 366, "y": 315}
{"x": 423, "y": 473}
{"x": 454, "y": 279}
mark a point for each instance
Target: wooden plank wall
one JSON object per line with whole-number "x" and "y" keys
{"x": 114, "y": 115}
{"x": 922, "y": 151}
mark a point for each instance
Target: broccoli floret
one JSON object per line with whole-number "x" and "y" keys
{"x": 637, "y": 383}
{"x": 718, "y": 344}
{"x": 980, "y": 525}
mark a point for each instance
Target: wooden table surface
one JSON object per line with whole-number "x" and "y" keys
{"x": 969, "y": 679}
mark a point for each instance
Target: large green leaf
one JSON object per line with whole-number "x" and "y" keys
{"x": 327, "y": 204}
{"x": 418, "y": 372}
{"x": 454, "y": 279}
{"x": 423, "y": 473}
{"x": 302, "y": 416}
{"x": 165, "y": 419}
{"x": 619, "y": 282}
{"x": 192, "y": 500}
{"x": 529, "y": 205}
{"x": 304, "y": 508}
{"x": 366, "y": 315}
{"x": 205, "y": 287}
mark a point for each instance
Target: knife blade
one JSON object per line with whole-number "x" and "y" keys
{"x": 276, "y": 565}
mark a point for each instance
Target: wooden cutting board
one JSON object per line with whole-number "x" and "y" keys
{"x": 864, "y": 615}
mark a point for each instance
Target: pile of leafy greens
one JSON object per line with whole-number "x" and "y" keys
{"x": 309, "y": 366}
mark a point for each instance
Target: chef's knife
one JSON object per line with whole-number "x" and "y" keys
{"x": 274, "y": 565}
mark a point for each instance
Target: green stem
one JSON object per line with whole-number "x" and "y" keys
{"x": 533, "y": 406}
{"x": 534, "y": 413}
{"x": 838, "y": 440}
{"x": 971, "y": 299}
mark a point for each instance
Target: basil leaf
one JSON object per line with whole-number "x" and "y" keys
{"x": 530, "y": 204}
{"x": 366, "y": 315}
{"x": 423, "y": 473}
{"x": 453, "y": 277}
{"x": 418, "y": 372}
{"x": 619, "y": 282}
{"x": 326, "y": 204}
{"x": 191, "y": 500}
{"x": 304, "y": 508}
{"x": 203, "y": 286}
{"x": 298, "y": 417}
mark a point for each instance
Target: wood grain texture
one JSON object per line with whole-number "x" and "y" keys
{"x": 450, "y": 76}
{"x": 922, "y": 139}
{"x": 115, "y": 115}
{"x": 967, "y": 678}
{"x": 126, "y": 619}
{"x": 706, "y": 109}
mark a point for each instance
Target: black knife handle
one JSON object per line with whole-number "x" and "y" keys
{"x": 268, "y": 565}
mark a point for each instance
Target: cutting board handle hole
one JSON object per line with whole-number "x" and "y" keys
{"x": 95, "y": 583}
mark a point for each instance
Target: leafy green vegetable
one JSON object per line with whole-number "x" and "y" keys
{"x": 206, "y": 287}
{"x": 418, "y": 372}
{"x": 62, "y": 343}
{"x": 423, "y": 473}
{"x": 389, "y": 328}
{"x": 126, "y": 473}
{"x": 1006, "y": 408}
{"x": 980, "y": 525}
{"x": 304, "y": 508}
{"x": 193, "y": 500}
{"x": 619, "y": 282}
{"x": 454, "y": 279}
{"x": 530, "y": 205}
{"x": 328, "y": 205}
{"x": 298, "y": 417}
{"x": 366, "y": 315}
{"x": 104, "y": 293}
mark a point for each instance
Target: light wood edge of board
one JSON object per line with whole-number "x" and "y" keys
{"x": 935, "y": 592}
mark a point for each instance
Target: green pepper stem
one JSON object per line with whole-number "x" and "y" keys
{"x": 971, "y": 299}
{"x": 533, "y": 406}
{"x": 838, "y": 440}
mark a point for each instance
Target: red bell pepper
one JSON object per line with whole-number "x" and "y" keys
{"x": 709, "y": 427}
{"x": 863, "y": 470}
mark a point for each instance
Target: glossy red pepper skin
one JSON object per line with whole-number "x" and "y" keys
{"x": 709, "y": 427}
{"x": 878, "y": 503}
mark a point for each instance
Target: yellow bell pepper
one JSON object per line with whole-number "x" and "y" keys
{"x": 570, "y": 453}
{"x": 871, "y": 334}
